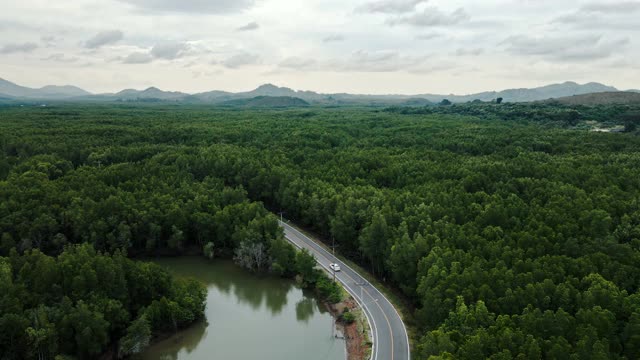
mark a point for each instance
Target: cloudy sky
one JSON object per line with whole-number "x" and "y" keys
{"x": 357, "y": 46}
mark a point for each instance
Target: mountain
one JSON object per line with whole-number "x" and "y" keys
{"x": 568, "y": 88}
{"x": 267, "y": 102}
{"x": 417, "y": 102}
{"x": 215, "y": 95}
{"x": 46, "y": 92}
{"x": 270, "y": 90}
{"x": 66, "y": 90}
{"x": 510, "y": 95}
{"x": 553, "y": 91}
{"x": 151, "y": 93}
{"x": 604, "y": 98}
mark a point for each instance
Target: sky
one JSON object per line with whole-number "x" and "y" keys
{"x": 329, "y": 46}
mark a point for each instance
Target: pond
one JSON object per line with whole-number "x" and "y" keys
{"x": 250, "y": 317}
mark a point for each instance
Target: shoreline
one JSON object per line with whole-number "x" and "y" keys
{"x": 357, "y": 343}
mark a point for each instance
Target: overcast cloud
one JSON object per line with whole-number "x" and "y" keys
{"x": 249, "y": 27}
{"x": 612, "y": 7}
{"x": 431, "y": 17}
{"x": 241, "y": 60}
{"x": 18, "y": 48}
{"x": 104, "y": 38}
{"x": 138, "y": 58}
{"x": 390, "y": 6}
{"x": 568, "y": 48}
{"x": 169, "y": 50}
{"x": 357, "y": 46}
{"x": 191, "y": 6}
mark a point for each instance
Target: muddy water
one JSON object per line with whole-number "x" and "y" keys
{"x": 250, "y": 317}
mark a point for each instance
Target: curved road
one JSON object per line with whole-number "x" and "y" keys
{"x": 390, "y": 340}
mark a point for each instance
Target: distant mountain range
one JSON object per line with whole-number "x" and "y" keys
{"x": 9, "y": 90}
{"x": 267, "y": 102}
{"x": 605, "y": 98}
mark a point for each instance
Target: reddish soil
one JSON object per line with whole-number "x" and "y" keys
{"x": 357, "y": 347}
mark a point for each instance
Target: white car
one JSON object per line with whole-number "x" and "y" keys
{"x": 334, "y": 267}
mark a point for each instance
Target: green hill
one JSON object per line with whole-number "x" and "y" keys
{"x": 267, "y": 102}
{"x": 604, "y": 98}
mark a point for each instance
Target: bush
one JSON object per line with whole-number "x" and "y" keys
{"x": 347, "y": 317}
{"x": 328, "y": 290}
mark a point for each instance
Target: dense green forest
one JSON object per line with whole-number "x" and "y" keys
{"x": 82, "y": 301}
{"x": 135, "y": 201}
{"x": 512, "y": 233}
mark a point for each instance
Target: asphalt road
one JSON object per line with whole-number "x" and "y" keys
{"x": 390, "y": 341}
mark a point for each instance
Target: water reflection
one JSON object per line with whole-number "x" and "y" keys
{"x": 250, "y": 317}
{"x": 185, "y": 341}
{"x": 249, "y": 289}
{"x": 304, "y": 309}
{"x": 261, "y": 290}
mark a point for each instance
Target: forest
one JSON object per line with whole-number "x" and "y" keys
{"x": 513, "y": 233}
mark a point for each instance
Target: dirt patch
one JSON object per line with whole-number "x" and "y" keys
{"x": 356, "y": 333}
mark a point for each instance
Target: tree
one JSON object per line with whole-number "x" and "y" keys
{"x": 403, "y": 262}
{"x": 42, "y": 334}
{"x": 305, "y": 266}
{"x": 373, "y": 242}
{"x": 631, "y": 121}
{"x": 499, "y": 100}
{"x": 631, "y": 336}
{"x": 208, "y": 250}
{"x": 6, "y": 243}
{"x": 83, "y": 300}
{"x": 137, "y": 338}
{"x": 90, "y": 330}
{"x": 176, "y": 240}
{"x": 283, "y": 257}
{"x": 252, "y": 256}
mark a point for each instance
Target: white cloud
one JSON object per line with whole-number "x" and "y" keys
{"x": 469, "y": 52}
{"x": 61, "y": 58}
{"x": 297, "y": 63}
{"x": 104, "y": 38}
{"x": 333, "y": 38}
{"x": 430, "y": 17}
{"x": 249, "y": 27}
{"x": 169, "y": 50}
{"x": 138, "y": 58}
{"x": 18, "y": 48}
{"x": 567, "y": 48}
{"x": 240, "y": 60}
{"x": 429, "y": 36}
{"x": 191, "y": 6}
{"x": 624, "y": 7}
{"x": 390, "y": 6}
